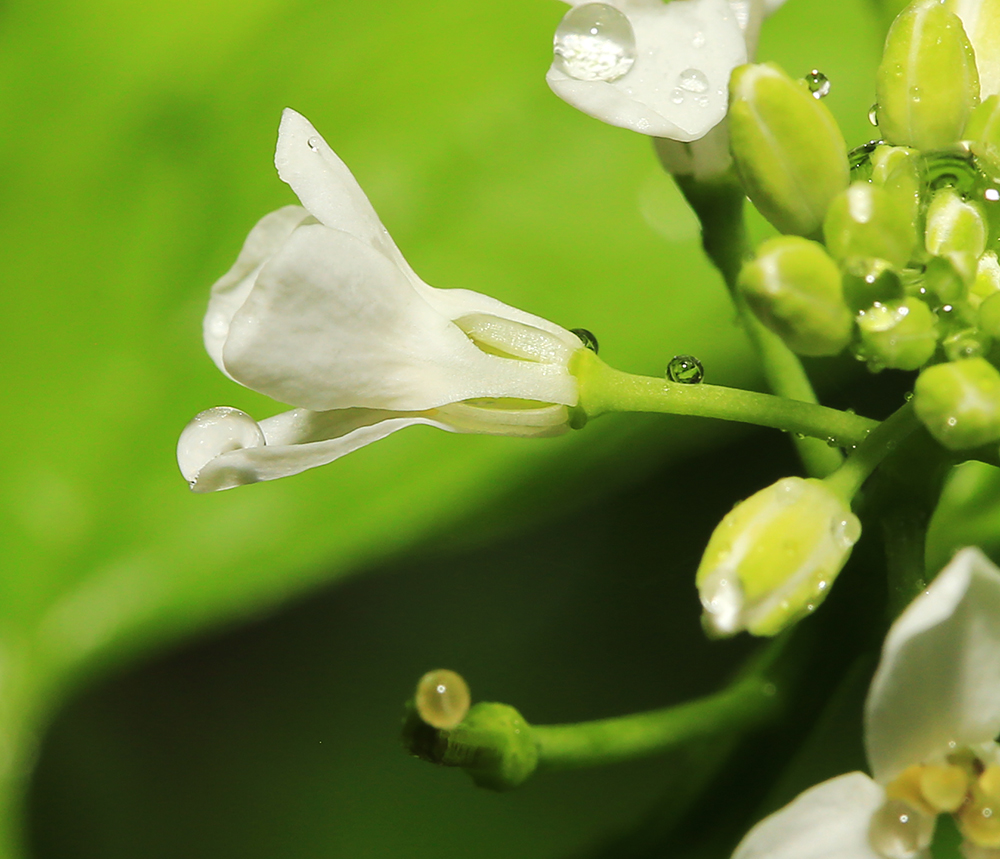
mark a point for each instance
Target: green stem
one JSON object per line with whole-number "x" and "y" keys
{"x": 744, "y": 705}
{"x": 604, "y": 389}
{"x": 719, "y": 207}
{"x": 882, "y": 441}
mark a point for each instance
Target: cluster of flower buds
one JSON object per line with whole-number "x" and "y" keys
{"x": 889, "y": 250}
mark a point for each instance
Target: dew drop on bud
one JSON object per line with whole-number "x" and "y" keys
{"x": 873, "y": 115}
{"x": 818, "y": 83}
{"x": 214, "y": 432}
{"x": 587, "y": 338}
{"x": 685, "y": 369}
{"x": 442, "y": 698}
{"x": 898, "y": 831}
{"x": 594, "y": 42}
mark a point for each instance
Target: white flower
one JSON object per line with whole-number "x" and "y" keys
{"x": 931, "y": 718}
{"x": 658, "y": 68}
{"x": 321, "y": 311}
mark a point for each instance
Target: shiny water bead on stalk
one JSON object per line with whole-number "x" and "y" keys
{"x": 818, "y": 83}
{"x": 442, "y": 698}
{"x": 587, "y": 338}
{"x": 595, "y": 42}
{"x": 685, "y": 369}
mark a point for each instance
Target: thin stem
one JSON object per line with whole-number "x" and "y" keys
{"x": 719, "y": 207}
{"x": 604, "y": 389}
{"x": 882, "y": 441}
{"x": 744, "y": 705}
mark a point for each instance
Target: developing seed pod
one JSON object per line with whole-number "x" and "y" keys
{"x": 442, "y": 698}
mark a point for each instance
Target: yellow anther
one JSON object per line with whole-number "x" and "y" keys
{"x": 980, "y": 818}
{"x": 944, "y": 786}
{"x": 907, "y": 787}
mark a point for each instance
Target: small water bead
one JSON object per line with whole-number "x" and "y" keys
{"x": 956, "y": 168}
{"x": 873, "y": 114}
{"x": 677, "y": 96}
{"x": 692, "y": 80}
{"x": 818, "y": 83}
{"x": 442, "y": 698}
{"x": 698, "y": 40}
{"x": 991, "y": 195}
{"x": 685, "y": 369}
{"x": 898, "y": 831}
{"x": 587, "y": 338}
{"x": 313, "y": 144}
{"x": 595, "y": 42}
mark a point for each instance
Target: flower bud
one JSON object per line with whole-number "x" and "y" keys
{"x": 959, "y": 403}
{"x": 987, "y": 280}
{"x": 954, "y": 225}
{"x": 981, "y": 20}
{"x": 989, "y": 316}
{"x": 870, "y": 281}
{"x": 787, "y": 147}
{"x": 864, "y": 221}
{"x": 795, "y": 289}
{"x": 900, "y": 335}
{"x": 983, "y": 130}
{"x": 773, "y": 557}
{"x": 927, "y": 82}
{"x": 897, "y": 170}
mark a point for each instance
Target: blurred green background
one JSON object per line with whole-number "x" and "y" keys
{"x": 223, "y": 676}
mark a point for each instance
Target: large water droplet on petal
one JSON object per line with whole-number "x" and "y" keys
{"x": 442, "y": 698}
{"x": 898, "y": 831}
{"x": 594, "y": 42}
{"x": 693, "y": 80}
{"x": 212, "y": 432}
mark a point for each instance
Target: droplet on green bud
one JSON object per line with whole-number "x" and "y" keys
{"x": 927, "y": 83}
{"x": 959, "y": 403}
{"x": 773, "y": 557}
{"x": 795, "y": 289}
{"x": 787, "y": 147}
{"x": 870, "y": 281}
{"x": 900, "y": 335}
{"x": 442, "y": 698}
{"x": 865, "y": 221}
{"x": 966, "y": 343}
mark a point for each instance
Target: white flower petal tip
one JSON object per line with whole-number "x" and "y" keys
{"x": 829, "y": 821}
{"x": 937, "y": 686}
{"x": 660, "y": 69}
{"x": 212, "y": 433}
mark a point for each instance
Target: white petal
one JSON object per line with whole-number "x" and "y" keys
{"x": 230, "y": 291}
{"x": 299, "y": 440}
{"x": 938, "y": 681}
{"x": 981, "y": 19}
{"x": 332, "y": 323}
{"x": 678, "y": 84}
{"x": 828, "y": 821}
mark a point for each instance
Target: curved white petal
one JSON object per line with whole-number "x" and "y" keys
{"x": 296, "y": 441}
{"x": 678, "y": 85}
{"x": 332, "y": 323}
{"x": 231, "y": 290}
{"x": 828, "y": 821}
{"x": 938, "y": 681}
{"x": 981, "y": 20}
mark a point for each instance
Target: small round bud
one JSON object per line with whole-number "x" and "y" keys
{"x": 773, "y": 557}
{"x": 899, "y": 335}
{"x": 954, "y": 225}
{"x": 989, "y": 316}
{"x": 865, "y": 221}
{"x": 927, "y": 82}
{"x": 795, "y": 289}
{"x": 442, "y": 698}
{"x": 959, "y": 403}
{"x": 787, "y": 148}
{"x": 987, "y": 280}
{"x": 897, "y": 170}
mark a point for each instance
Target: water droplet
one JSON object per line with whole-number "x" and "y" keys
{"x": 442, "y": 698}
{"x": 677, "y": 96}
{"x": 313, "y": 143}
{"x": 699, "y": 40}
{"x": 955, "y": 168}
{"x": 846, "y": 531}
{"x": 898, "y": 831}
{"x": 818, "y": 83}
{"x": 587, "y": 338}
{"x": 991, "y": 195}
{"x": 873, "y": 114}
{"x": 594, "y": 42}
{"x": 214, "y": 432}
{"x": 701, "y": 100}
{"x": 693, "y": 80}
{"x": 860, "y": 160}
{"x": 685, "y": 369}
{"x": 908, "y": 396}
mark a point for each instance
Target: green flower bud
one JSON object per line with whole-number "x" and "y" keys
{"x": 946, "y": 277}
{"x": 885, "y": 159}
{"x": 966, "y": 343}
{"x": 927, "y": 82}
{"x": 955, "y": 225}
{"x": 773, "y": 557}
{"x": 983, "y": 130}
{"x": 989, "y": 316}
{"x": 787, "y": 147}
{"x": 870, "y": 281}
{"x": 987, "y": 280}
{"x": 900, "y": 335}
{"x": 795, "y": 289}
{"x": 959, "y": 403}
{"x": 865, "y": 221}
{"x": 981, "y": 20}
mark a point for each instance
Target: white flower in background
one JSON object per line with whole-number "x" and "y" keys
{"x": 931, "y": 718}
{"x": 658, "y": 68}
{"x": 321, "y": 311}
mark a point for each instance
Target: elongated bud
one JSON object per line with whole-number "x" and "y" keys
{"x": 787, "y": 147}
{"x": 927, "y": 82}
{"x": 954, "y": 225}
{"x": 795, "y": 289}
{"x": 865, "y": 221}
{"x": 773, "y": 557}
{"x": 959, "y": 403}
{"x": 983, "y": 130}
{"x": 987, "y": 280}
{"x": 981, "y": 21}
{"x": 899, "y": 335}
{"x": 897, "y": 170}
